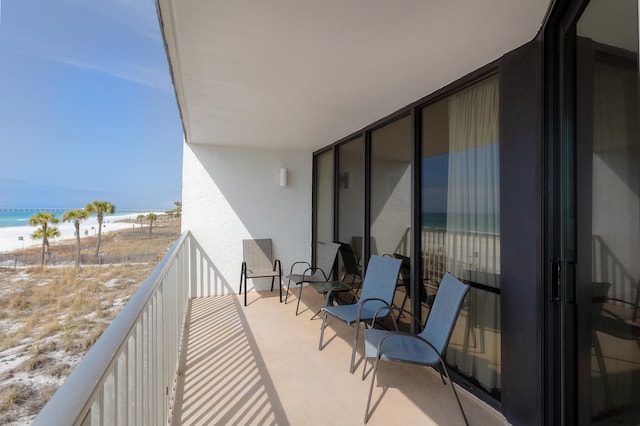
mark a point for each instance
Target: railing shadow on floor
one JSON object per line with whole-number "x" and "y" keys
{"x": 131, "y": 374}
{"x": 226, "y": 380}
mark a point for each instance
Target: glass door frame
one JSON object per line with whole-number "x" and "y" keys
{"x": 568, "y": 308}
{"x": 562, "y": 398}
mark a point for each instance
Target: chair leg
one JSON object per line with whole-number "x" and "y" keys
{"x": 286, "y": 297}
{"x": 364, "y": 368}
{"x": 280, "y": 286}
{"x": 404, "y": 300}
{"x": 466, "y": 422}
{"x": 441, "y": 375}
{"x": 245, "y": 289}
{"x": 354, "y": 349}
{"x": 299, "y": 298}
{"x": 272, "y": 279}
{"x": 324, "y": 322}
{"x": 373, "y": 380}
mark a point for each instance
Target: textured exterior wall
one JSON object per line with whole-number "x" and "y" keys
{"x": 230, "y": 194}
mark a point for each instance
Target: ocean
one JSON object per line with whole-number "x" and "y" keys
{"x": 20, "y": 217}
{"x": 483, "y": 223}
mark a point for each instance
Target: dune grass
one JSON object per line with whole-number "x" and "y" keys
{"x": 51, "y": 316}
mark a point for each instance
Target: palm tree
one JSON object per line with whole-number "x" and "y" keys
{"x": 76, "y": 216}
{"x": 43, "y": 219}
{"x": 140, "y": 217}
{"x": 100, "y": 207}
{"x": 151, "y": 217}
{"x": 177, "y": 211}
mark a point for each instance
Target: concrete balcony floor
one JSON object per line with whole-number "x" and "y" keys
{"x": 260, "y": 364}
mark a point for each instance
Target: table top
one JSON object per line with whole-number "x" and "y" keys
{"x": 323, "y": 288}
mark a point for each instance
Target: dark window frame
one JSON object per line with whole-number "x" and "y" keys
{"x": 414, "y": 111}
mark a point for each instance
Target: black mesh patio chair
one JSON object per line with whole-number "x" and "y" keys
{"x": 258, "y": 262}
{"x": 358, "y": 248}
{"x": 321, "y": 272}
{"x": 351, "y": 268}
{"x": 405, "y": 283}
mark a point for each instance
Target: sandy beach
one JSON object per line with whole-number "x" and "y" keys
{"x": 18, "y": 237}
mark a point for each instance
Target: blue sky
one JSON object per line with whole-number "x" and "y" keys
{"x": 87, "y": 109}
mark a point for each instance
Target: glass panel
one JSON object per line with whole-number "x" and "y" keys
{"x": 460, "y": 222}
{"x": 391, "y": 195}
{"x": 608, "y": 43}
{"x": 324, "y": 200}
{"x": 351, "y": 203}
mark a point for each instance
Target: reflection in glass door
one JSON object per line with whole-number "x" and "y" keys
{"x": 351, "y": 206}
{"x": 390, "y": 225}
{"x": 607, "y": 188}
{"x": 391, "y": 188}
{"x": 461, "y": 222}
{"x": 323, "y": 199}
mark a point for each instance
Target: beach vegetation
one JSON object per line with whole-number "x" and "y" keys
{"x": 177, "y": 212}
{"x": 100, "y": 208}
{"x": 76, "y": 216}
{"x": 44, "y": 220}
{"x": 50, "y": 317}
{"x": 152, "y": 217}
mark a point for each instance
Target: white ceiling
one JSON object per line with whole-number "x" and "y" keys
{"x": 303, "y": 74}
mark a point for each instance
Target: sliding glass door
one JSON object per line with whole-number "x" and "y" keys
{"x": 351, "y": 196}
{"x": 607, "y": 189}
{"x": 461, "y": 221}
{"x": 595, "y": 239}
{"x": 323, "y": 213}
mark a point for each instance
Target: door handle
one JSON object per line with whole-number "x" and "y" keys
{"x": 556, "y": 269}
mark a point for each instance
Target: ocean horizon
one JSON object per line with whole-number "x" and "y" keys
{"x": 10, "y": 217}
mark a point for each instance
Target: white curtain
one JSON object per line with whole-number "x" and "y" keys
{"x": 473, "y": 234}
{"x": 473, "y": 200}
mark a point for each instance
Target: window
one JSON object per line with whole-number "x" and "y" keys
{"x": 461, "y": 221}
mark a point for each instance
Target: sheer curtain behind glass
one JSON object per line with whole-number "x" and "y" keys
{"x": 473, "y": 201}
{"x": 473, "y": 225}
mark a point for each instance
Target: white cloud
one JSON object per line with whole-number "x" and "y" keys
{"x": 154, "y": 77}
{"x": 139, "y": 15}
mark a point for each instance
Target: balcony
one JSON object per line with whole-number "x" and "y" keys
{"x": 170, "y": 357}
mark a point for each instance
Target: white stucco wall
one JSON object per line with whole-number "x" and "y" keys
{"x": 230, "y": 194}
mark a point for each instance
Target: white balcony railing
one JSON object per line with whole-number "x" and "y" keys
{"x": 129, "y": 375}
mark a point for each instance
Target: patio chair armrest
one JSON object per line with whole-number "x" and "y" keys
{"x": 276, "y": 263}
{"x": 612, "y": 315}
{"x": 299, "y": 263}
{"x": 626, "y": 302}
{"x": 330, "y": 293}
{"x": 313, "y": 271}
{"x": 394, "y": 308}
{"x": 365, "y": 301}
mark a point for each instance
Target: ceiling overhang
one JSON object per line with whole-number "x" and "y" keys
{"x": 296, "y": 74}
